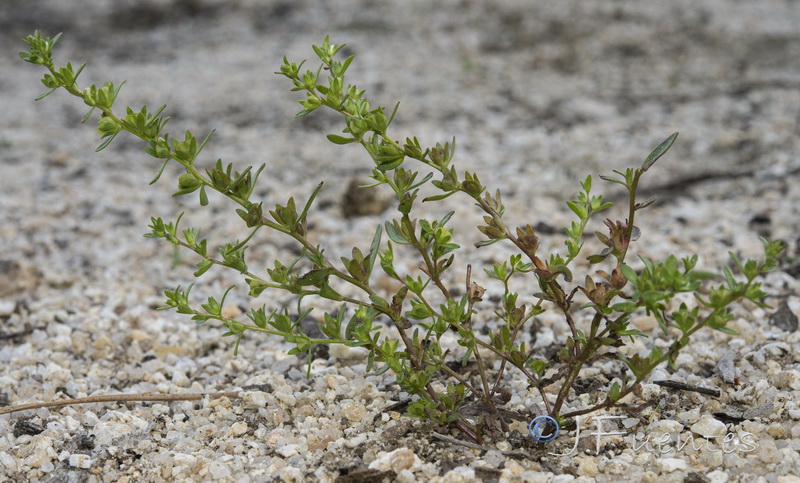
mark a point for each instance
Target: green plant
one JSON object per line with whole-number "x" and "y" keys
{"x": 425, "y": 307}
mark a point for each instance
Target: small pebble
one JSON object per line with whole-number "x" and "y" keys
{"x": 616, "y": 466}
{"x": 239, "y": 428}
{"x": 717, "y": 476}
{"x": 709, "y": 427}
{"x": 397, "y": 460}
{"x": 587, "y": 466}
{"x": 668, "y": 465}
{"x": 784, "y": 318}
{"x": 288, "y": 450}
{"x": 254, "y": 399}
{"x": 727, "y": 367}
{"x": 80, "y": 461}
{"x": 7, "y": 307}
{"x": 354, "y": 411}
{"x": 459, "y": 474}
{"x": 27, "y": 427}
{"x": 219, "y": 470}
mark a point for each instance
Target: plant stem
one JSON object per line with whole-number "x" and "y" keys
{"x": 584, "y": 355}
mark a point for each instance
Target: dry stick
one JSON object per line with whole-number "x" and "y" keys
{"x": 688, "y": 387}
{"x": 146, "y": 396}
{"x": 448, "y": 439}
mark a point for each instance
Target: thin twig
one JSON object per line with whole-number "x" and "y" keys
{"x": 688, "y": 387}
{"x": 146, "y": 396}
{"x": 448, "y": 439}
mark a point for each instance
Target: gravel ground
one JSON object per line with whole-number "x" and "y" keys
{"x": 538, "y": 94}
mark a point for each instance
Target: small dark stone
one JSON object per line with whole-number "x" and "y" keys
{"x": 84, "y": 441}
{"x": 397, "y": 431}
{"x": 310, "y": 327}
{"x": 696, "y": 478}
{"x": 736, "y": 415}
{"x": 729, "y": 417}
{"x": 784, "y": 318}
{"x": 458, "y": 367}
{"x": 762, "y": 224}
{"x": 450, "y": 463}
{"x": 487, "y": 474}
{"x": 516, "y": 439}
{"x": 363, "y": 201}
{"x": 761, "y": 411}
{"x": 542, "y": 228}
{"x": 587, "y": 444}
{"x": 585, "y": 385}
{"x": 27, "y": 427}
{"x": 320, "y": 351}
{"x": 258, "y": 387}
{"x": 726, "y": 367}
{"x": 793, "y": 270}
{"x": 364, "y": 475}
{"x": 398, "y": 406}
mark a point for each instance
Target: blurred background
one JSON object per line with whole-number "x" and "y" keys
{"x": 537, "y": 94}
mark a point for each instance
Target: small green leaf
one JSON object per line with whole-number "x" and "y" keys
{"x": 202, "y": 267}
{"x": 388, "y": 162}
{"x": 658, "y": 152}
{"x": 327, "y": 292}
{"x": 302, "y": 217}
{"x": 486, "y": 243}
{"x": 374, "y": 249}
{"x": 387, "y": 262}
{"x": 106, "y": 142}
{"x": 613, "y": 180}
{"x": 587, "y": 184}
{"x": 315, "y": 277}
{"x": 340, "y": 139}
{"x": 394, "y": 234}
{"x": 259, "y": 317}
{"x": 629, "y": 274}
{"x": 644, "y": 204}
{"x": 593, "y": 259}
{"x": 256, "y": 286}
{"x": 579, "y": 209}
{"x": 627, "y": 307}
{"x": 439, "y": 197}
{"x": 614, "y": 392}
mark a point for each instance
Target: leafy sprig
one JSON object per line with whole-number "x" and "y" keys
{"x": 425, "y": 308}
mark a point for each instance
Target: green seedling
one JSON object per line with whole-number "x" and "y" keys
{"x": 424, "y": 309}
